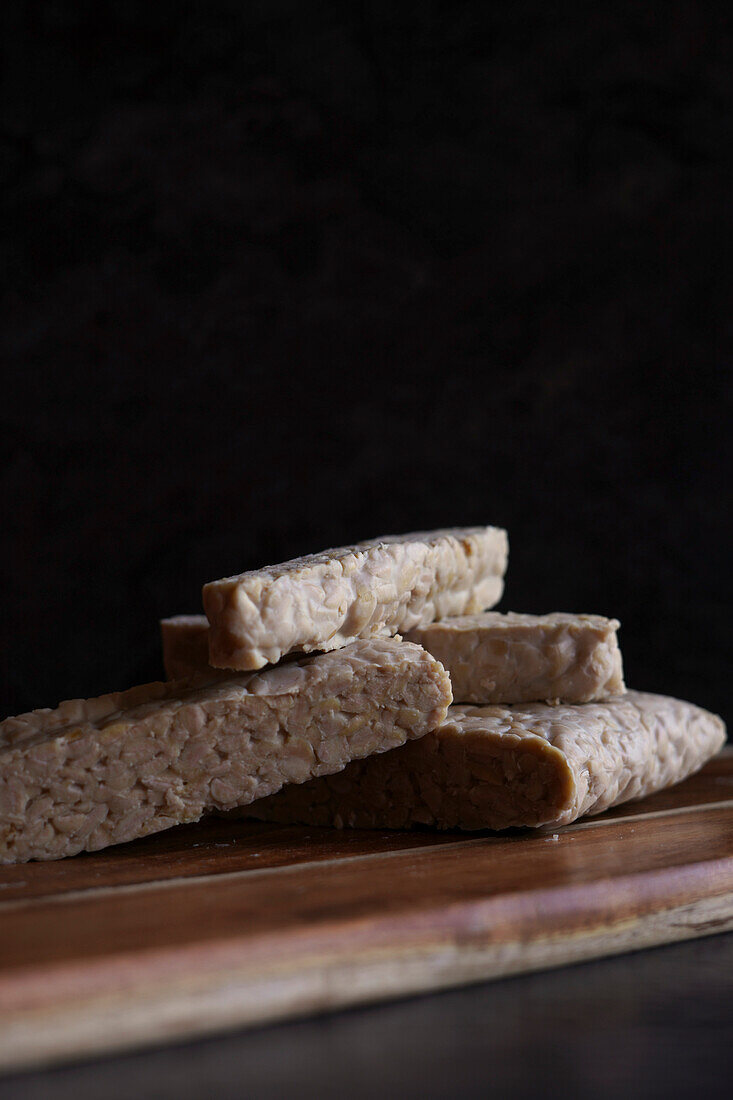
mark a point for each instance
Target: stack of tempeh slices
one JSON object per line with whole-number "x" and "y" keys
{"x": 320, "y": 690}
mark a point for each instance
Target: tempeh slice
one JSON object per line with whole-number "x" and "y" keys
{"x": 494, "y": 658}
{"x": 498, "y": 767}
{"x": 491, "y": 658}
{"x": 376, "y": 588}
{"x": 101, "y": 771}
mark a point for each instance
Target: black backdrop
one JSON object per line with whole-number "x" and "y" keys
{"x": 278, "y": 276}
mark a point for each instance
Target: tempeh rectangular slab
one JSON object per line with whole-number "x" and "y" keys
{"x": 495, "y": 658}
{"x": 526, "y": 765}
{"x": 381, "y": 587}
{"x": 102, "y": 771}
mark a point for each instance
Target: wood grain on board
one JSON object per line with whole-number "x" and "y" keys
{"x": 230, "y": 923}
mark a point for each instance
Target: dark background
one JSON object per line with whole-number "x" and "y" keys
{"x": 279, "y": 276}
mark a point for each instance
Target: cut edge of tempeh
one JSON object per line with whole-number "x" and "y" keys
{"x": 92, "y": 773}
{"x": 379, "y": 587}
{"x": 517, "y": 658}
{"x": 185, "y": 641}
{"x": 492, "y": 658}
{"x": 517, "y": 766}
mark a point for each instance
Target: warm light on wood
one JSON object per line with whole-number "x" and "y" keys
{"x": 232, "y": 923}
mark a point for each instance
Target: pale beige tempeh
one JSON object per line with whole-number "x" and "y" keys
{"x": 101, "y": 771}
{"x": 497, "y": 767}
{"x": 377, "y": 588}
{"x": 495, "y": 658}
{"x": 491, "y": 658}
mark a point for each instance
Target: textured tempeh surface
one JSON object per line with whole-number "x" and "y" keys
{"x": 512, "y": 658}
{"x": 380, "y": 587}
{"x": 101, "y": 771}
{"x": 525, "y": 765}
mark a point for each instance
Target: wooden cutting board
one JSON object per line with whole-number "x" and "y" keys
{"x": 231, "y": 923}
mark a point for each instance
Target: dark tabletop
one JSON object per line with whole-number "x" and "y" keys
{"x": 658, "y": 1024}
